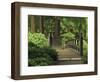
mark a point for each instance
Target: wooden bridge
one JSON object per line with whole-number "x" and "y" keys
{"x": 68, "y": 56}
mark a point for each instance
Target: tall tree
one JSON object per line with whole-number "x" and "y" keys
{"x": 32, "y": 23}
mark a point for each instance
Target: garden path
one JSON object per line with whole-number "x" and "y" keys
{"x": 68, "y": 56}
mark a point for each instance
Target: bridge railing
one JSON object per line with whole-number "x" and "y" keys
{"x": 76, "y": 43}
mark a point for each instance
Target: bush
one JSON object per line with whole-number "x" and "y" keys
{"x": 52, "y": 53}
{"x": 41, "y": 56}
{"x": 37, "y": 39}
{"x": 40, "y": 61}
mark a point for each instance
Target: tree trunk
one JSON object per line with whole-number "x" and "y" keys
{"x": 32, "y": 24}
{"x": 41, "y": 24}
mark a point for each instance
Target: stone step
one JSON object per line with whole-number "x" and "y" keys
{"x": 70, "y": 59}
{"x": 69, "y": 62}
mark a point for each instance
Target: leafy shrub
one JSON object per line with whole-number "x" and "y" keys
{"x": 51, "y": 52}
{"x": 85, "y": 51}
{"x": 30, "y": 44}
{"x": 37, "y": 39}
{"x": 37, "y": 52}
{"x": 40, "y": 61}
{"x": 41, "y": 56}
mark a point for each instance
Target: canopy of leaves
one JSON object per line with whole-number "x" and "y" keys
{"x": 74, "y": 25}
{"x": 68, "y": 36}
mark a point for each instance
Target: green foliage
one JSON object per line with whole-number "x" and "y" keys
{"x": 85, "y": 50}
{"x": 66, "y": 37}
{"x": 70, "y": 27}
{"x": 37, "y": 39}
{"x": 49, "y": 25}
{"x": 51, "y": 52}
{"x": 39, "y": 61}
{"x": 74, "y": 25}
{"x": 41, "y": 56}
